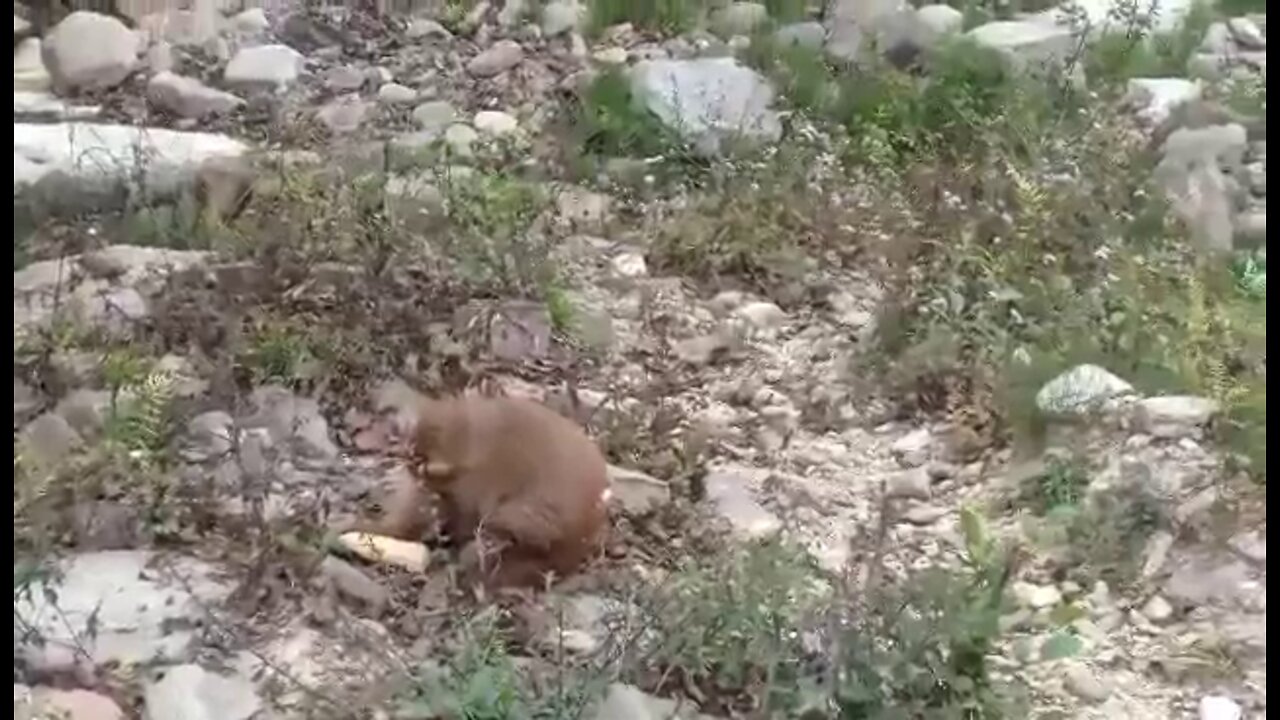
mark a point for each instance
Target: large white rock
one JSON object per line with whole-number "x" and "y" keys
{"x": 267, "y": 67}
{"x": 79, "y": 164}
{"x": 1175, "y": 415}
{"x": 1156, "y": 98}
{"x": 708, "y": 101}
{"x": 89, "y": 50}
{"x": 141, "y": 612}
{"x": 851, "y": 24}
{"x": 1028, "y": 45}
{"x": 44, "y": 106}
{"x": 189, "y": 692}
{"x": 29, "y": 73}
{"x": 188, "y": 97}
{"x": 1190, "y": 172}
{"x": 1164, "y": 15}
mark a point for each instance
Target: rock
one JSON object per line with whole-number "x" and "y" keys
{"x": 26, "y": 401}
{"x": 923, "y": 515}
{"x": 354, "y": 583}
{"x": 561, "y": 16}
{"x": 423, "y": 28}
{"x": 1223, "y": 145}
{"x": 293, "y": 421}
{"x": 516, "y": 329}
{"x": 810, "y": 35}
{"x": 20, "y": 27}
{"x": 1217, "y": 707}
{"x": 29, "y": 73}
{"x": 396, "y": 94}
{"x": 159, "y": 57}
{"x": 398, "y": 400}
{"x": 914, "y": 484}
{"x": 512, "y": 13}
{"x": 1252, "y": 546}
{"x": 628, "y": 265}
{"x": 582, "y": 624}
{"x": 762, "y": 315}
{"x": 90, "y": 51}
{"x": 250, "y": 22}
{"x": 494, "y": 123}
{"x": 1035, "y": 597}
{"x": 1157, "y": 609}
{"x": 499, "y": 58}
{"x": 410, "y": 556}
{"x": 414, "y": 202}
{"x": 343, "y": 114}
{"x": 1202, "y": 198}
{"x": 739, "y": 18}
{"x": 344, "y": 79}
{"x": 1028, "y": 46}
{"x": 56, "y": 704}
{"x": 583, "y": 208}
{"x": 189, "y": 98}
{"x": 44, "y": 107}
{"x": 728, "y": 492}
{"x": 189, "y": 692}
{"x": 51, "y": 166}
{"x": 209, "y": 436}
{"x": 141, "y": 614}
{"x": 1250, "y": 229}
{"x": 434, "y": 116}
{"x": 1217, "y": 39}
{"x": 224, "y": 186}
{"x": 86, "y": 411}
{"x": 853, "y": 24}
{"x": 47, "y": 441}
{"x": 1081, "y": 682}
{"x": 1247, "y": 33}
{"x": 105, "y": 525}
{"x": 1079, "y": 391}
{"x": 701, "y": 350}
{"x": 459, "y": 138}
{"x": 626, "y": 702}
{"x": 1175, "y": 415}
{"x": 1157, "y": 98}
{"x": 637, "y": 493}
{"x": 934, "y": 22}
{"x": 913, "y": 449}
{"x": 610, "y": 56}
{"x": 309, "y": 32}
{"x": 1203, "y": 579}
{"x": 1156, "y": 553}
{"x": 265, "y": 67}
{"x": 709, "y": 101}
{"x": 1164, "y": 16}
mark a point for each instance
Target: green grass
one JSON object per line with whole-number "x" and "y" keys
{"x": 609, "y": 123}
{"x": 665, "y": 16}
{"x": 1134, "y": 52}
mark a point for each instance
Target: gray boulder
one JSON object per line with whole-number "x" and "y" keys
{"x": 708, "y": 101}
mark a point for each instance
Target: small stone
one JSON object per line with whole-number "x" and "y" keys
{"x": 460, "y": 137}
{"x": 1036, "y": 597}
{"x": 637, "y": 493}
{"x": 1081, "y": 390}
{"x": 1247, "y": 33}
{"x": 86, "y": 411}
{"x": 422, "y": 28}
{"x": 808, "y": 35}
{"x": 499, "y": 58}
{"x": 343, "y": 114}
{"x": 913, "y": 449}
{"x": 1082, "y": 683}
{"x": 396, "y": 94}
{"x": 354, "y": 583}
{"x": 1157, "y": 98}
{"x": 739, "y": 18}
{"x": 728, "y": 492}
{"x": 562, "y": 16}
{"x": 293, "y": 421}
{"x": 189, "y": 692}
{"x": 923, "y": 515}
{"x": 495, "y": 123}
{"x": 629, "y": 265}
{"x": 434, "y": 116}
{"x": 189, "y": 98}
{"x": 1217, "y": 707}
{"x": 610, "y": 56}
{"x": 47, "y": 441}
{"x": 344, "y": 79}
{"x": 209, "y": 436}
{"x": 1155, "y": 553}
{"x": 410, "y": 556}
{"x": 1251, "y": 545}
{"x": 250, "y": 22}
{"x": 583, "y": 208}
{"x": 914, "y": 484}
{"x": 264, "y": 67}
{"x": 88, "y": 50}
{"x": 581, "y": 625}
{"x": 701, "y": 350}
{"x": 1175, "y": 416}
{"x": 1157, "y": 609}
{"x": 762, "y": 315}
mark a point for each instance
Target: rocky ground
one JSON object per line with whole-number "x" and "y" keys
{"x": 219, "y": 340}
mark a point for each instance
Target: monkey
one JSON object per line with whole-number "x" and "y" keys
{"x": 521, "y": 489}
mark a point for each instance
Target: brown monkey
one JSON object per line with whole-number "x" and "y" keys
{"x": 521, "y": 487}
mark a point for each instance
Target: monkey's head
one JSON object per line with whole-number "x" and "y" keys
{"x": 437, "y": 441}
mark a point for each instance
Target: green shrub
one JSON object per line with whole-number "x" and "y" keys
{"x": 664, "y": 16}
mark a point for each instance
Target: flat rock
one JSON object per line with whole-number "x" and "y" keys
{"x": 142, "y": 614}
{"x": 498, "y": 58}
{"x": 709, "y": 101}
{"x": 420, "y": 28}
{"x": 729, "y": 492}
{"x": 1027, "y": 45}
{"x": 914, "y": 484}
{"x": 1082, "y": 390}
{"x": 189, "y": 692}
{"x": 1175, "y": 415}
{"x": 88, "y": 50}
{"x": 188, "y": 97}
{"x": 637, "y": 493}
{"x": 495, "y": 123}
{"x": 435, "y": 116}
{"x": 1157, "y": 98}
{"x": 293, "y": 421}
{"x": 396, "y": 94}
{"x": 1203, "y": 579}
{"x": 264, "y": 67}
{"x": 1100, "y": 15}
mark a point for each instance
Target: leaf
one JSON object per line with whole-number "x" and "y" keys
{"x": 977, "y": 542}
{"x": 1062, "y": 645}
{"x": 1066, "y": 613}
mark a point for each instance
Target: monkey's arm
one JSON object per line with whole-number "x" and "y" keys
{"x": 524, "y": 521}
{"x": 405, "y": 513}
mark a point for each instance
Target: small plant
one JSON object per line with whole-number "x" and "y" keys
{"x": 670, "y": 17}
{"x": 492, "y": 241}
{"x": 1130, "y": 49}
{"x": 140, "y": 423}
{"x": 609, "y": 123}
{"x": 277, "y": 352}
{"x": 1061, "y": 486}
{"x": 479, "y": 681}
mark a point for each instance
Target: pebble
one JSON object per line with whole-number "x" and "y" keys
{"x": 1217, "y": 707}
{"x": 1081, "y": 682}
{"x": 396, "y": 94}
{"x": 1157, "y": 609}
{"x": 914, "y": 484}
{"x": 495, "y": 123}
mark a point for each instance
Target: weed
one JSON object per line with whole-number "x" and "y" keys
{"x": 140, "y": 424}
{"x": 1106, "y": 536}
{"x": 784, "y": 11}
{"x": 668, "y": 17}
{"x": 1061, "y": 485}
{"x": 278, "y": 352}
{"x": 559, "y": 307}
{"x": 493, "y": 241}
{"x": 1134, "y": 51}
{"x": 608, "y": 121}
